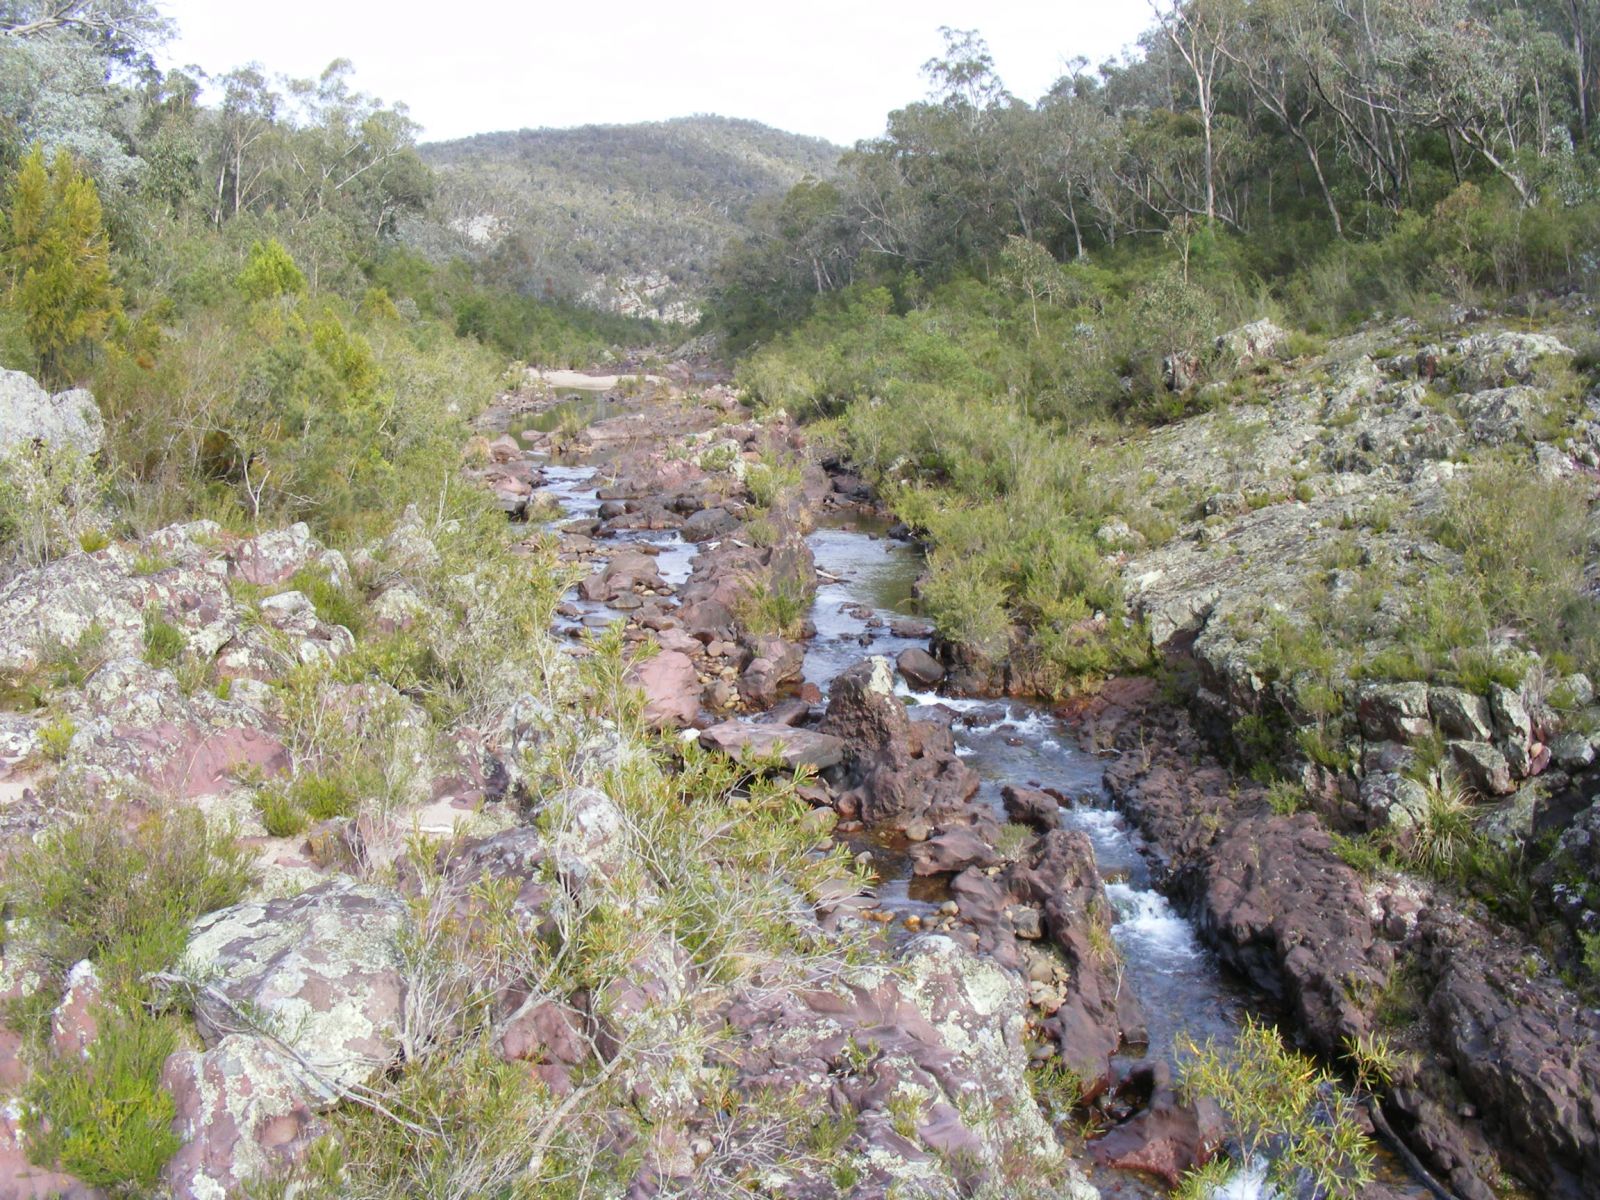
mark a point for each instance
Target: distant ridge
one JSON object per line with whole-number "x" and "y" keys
{"x": 626, "y": 217}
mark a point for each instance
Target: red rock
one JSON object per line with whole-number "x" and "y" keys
{"x": 671, "y": 687}
{"x": 74, "y": 1023}
{"x": 1165, "y": 1140}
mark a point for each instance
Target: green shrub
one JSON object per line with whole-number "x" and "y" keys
{"x": 271, "y": 273}
{"x": 1288, "y": 1115}
{"x": 775, "y": 606}
{"x": 163, "y": 641}
{"x": 55, "y": 739}
{"x": 50, "y": 500}
{"x": 1589, "y": 942}
{"x": 335, "y": 604}
{"x": 769, "y": 479}
{"x": 90, "y": 889}
{"x": 966, "y": 605}
{"x": 761, "y": 532}
{"x": 289, "y": 808}
{"x": 1445, "y": 834}
{"x": 106, "y": 1119}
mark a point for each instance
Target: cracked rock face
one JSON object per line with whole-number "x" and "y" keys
{"x": 321, "y": 972}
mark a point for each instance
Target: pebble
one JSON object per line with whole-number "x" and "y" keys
{"x": 949, "y": 908}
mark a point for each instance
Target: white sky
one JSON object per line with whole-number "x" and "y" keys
{"x": 832, "y": 68}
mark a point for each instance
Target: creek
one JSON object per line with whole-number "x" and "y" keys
{"x": 866, "y": 581}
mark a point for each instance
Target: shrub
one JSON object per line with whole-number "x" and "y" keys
{"x": 1278, "y": 1103}
{"x": 287, "y": 809}
{"x": 966, "y": 605}
{"x": 106, "y": 1119}
{"x": 55, "y": 739}
{"x": 271, "y": 273}
{"x": 90, "y": 889}
{"x": 1440, "y": 842}
{"x": 761, "y": 532}
{"x": 335, "y": 604}
{"x": 769, "y": 479}
{"x": 50, "y": 501}
{"x": 163, "y": 641}
{"x": 776, "y": 606}
{"x": 1589, "y": 943}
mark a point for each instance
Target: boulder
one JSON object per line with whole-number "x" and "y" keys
{"x": 30, "y": 415}
{"x": 1025, "y": 806}
{"x": 952, "y": 850}
{"x": 1492, "y": 360}
{"x": 1482, "y": 768}
{"x": 323, "y": 969}
{"x": 1166, "y": 1139}
{"x": 1246, "y": 344}
{"x": 671, "y": 687}
{"x": 1393, "y": 711}
{"x": 242, "y": 1115}
{"x": 903, "y": 769}
{"x": 709, "y": 523}
{"x": 272, "y": 557}
{"x": 921, "y": 669}
{"x": 1502, "y": 415}
{"x": 1460, "y": 714}
{"x": 797, "y": 747}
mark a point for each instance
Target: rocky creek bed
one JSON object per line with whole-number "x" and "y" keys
{"x": 1047, "y": 902}
{"x": 988, "y": 821}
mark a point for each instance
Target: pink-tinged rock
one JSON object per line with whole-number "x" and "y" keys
{"x": 20, "y": 1179}
{"x": 952, "y": 850}
{"x": 13, "y": 1070}
{"x": 920, "y": 668}
{"x": 207, "y": 762}
{"x": 797, "y": 747}
{"x": 671, "y": 687}
{"x": 676, "y": 639}
{"x": 75, "y": 1021}
{"x": 548, "y": 1035}
{"x": 270, "y": 558}
{"x": 1166, "y": 1140}
{"x": 241, "y": 1113}
{"x": 504, "y": 449}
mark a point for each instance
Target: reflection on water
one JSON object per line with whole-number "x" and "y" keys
{"x": 573, "y": 412}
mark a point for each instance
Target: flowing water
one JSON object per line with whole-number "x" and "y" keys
{"x": 867, "y": 582}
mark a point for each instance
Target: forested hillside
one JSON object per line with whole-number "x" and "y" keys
{"x": 627, "y": 217}
{"x": 225, "y": 276}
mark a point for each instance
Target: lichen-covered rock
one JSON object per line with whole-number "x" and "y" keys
{"x": 242, "y": 1115}
{"x": 1393, "y": 711}
{"x": 903, "y": 770}
{"x": 1483, "y": 768}
{"x": 1460, "y": 714}
{"x": 19, "y": 1178}
{"x": 1492, "y": 360}
{"x": 29, "y": 414}
{"x": 1502, "y": 415}
{"x": 322, "y": 970}
{"x": 134, "y": 723}
{"x": 1257, "y": 340}
{"x": 272, "y": 557}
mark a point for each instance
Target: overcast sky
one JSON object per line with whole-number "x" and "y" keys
{"x": 832, "y": 68}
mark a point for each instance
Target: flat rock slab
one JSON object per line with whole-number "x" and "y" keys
{"x": 799, "y": 747}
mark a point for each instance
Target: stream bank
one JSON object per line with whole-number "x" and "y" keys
{"x": 986, "y": 822}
